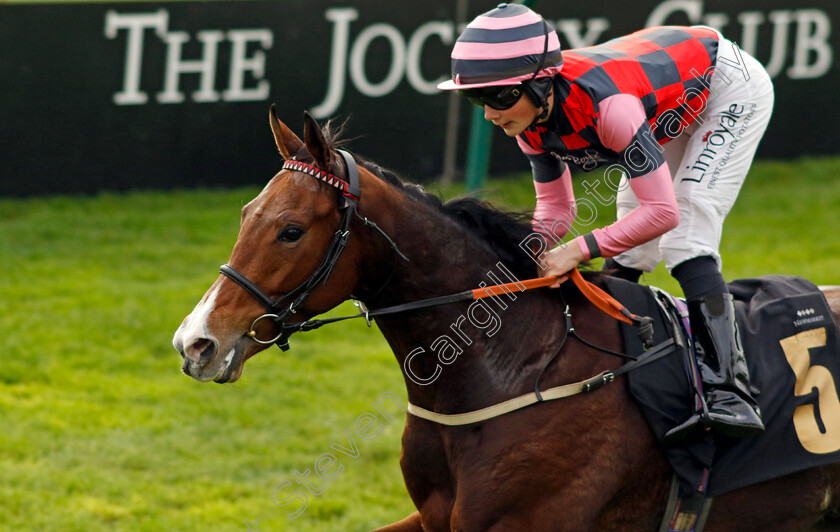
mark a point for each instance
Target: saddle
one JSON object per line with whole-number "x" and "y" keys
{"x": 792, "y": 346}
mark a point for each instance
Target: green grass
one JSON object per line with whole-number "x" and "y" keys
{"x": 101, "y": 431}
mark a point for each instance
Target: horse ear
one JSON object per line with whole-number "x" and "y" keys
{"x": 315, "y": 142}
{"x": 287, "y": 142}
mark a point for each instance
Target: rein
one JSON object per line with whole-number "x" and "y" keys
{"x": 607, "y": 304}
{"x": 279, "y": 309}
{"x": 595, "y": 295}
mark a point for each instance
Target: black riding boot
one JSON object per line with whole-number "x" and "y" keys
{"x": 730, "y": 408}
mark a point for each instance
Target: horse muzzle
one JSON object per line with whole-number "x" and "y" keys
{"x": 202, "y": 360}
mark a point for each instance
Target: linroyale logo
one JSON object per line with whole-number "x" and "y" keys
{"x": 715, "y": 139}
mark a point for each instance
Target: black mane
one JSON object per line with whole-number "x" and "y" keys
{"x": 502, "y": 231}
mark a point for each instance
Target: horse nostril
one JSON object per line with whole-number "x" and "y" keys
{"x": 201, "y": 352}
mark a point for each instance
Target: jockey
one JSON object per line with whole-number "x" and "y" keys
{"x": 676, "y": 113}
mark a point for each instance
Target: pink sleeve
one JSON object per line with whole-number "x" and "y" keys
{"x": 656, "y": 214}
{"x": 555, "y": 211}
{"x": 620, "y": 117}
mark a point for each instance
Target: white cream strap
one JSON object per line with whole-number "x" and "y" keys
{"x": 516, "y": 403}
{"x": 558, "y": 392}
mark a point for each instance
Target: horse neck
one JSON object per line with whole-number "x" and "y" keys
{"x": 472, "y": 355}
{"x": 444, "y": 351}
{"x": 443, "y": 257}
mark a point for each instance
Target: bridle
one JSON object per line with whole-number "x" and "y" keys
{"x": 278, "y": 310}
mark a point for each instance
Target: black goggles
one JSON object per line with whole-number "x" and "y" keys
{"x": 498, "y": 97}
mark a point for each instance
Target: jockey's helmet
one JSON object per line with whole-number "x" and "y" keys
{"x": 508, "y": 45}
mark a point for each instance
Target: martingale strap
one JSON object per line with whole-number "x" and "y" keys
{"x": 558, "y": 392}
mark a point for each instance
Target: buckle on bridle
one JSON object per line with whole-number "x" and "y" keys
{"x": 364, "y": 310}
{"x": 351, "y": 193}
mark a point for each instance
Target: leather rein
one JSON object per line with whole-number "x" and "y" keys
{"x": 279, "y": 309}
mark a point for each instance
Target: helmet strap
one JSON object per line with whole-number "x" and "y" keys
{"x": 540, "y": 100}
{"x": 541, "y": 115}
{"x": 539, "y": 92}
{"x": 544, "y": 110}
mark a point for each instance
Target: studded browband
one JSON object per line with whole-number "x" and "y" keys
{"x": 349, "y": 191}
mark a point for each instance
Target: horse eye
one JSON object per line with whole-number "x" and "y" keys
{"x": 290, "y": 234}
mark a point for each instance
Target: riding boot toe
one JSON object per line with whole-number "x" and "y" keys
{"x": 731, "y": 415}
{"x": 682, "y": 431}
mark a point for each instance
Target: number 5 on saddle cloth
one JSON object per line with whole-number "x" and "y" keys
{"x": 792, "y": 346}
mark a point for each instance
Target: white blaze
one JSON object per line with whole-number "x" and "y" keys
{"x": 195, "y": 326}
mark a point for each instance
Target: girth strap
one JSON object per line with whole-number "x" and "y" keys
{"x": 687, "y": 514}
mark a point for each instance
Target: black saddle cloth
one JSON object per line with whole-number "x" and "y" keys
{"x": 792, "y": 350}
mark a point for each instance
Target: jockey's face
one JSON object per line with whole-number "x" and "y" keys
{"x": 513, "y": 120}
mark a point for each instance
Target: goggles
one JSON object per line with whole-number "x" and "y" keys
{"x": 498, "y": 97}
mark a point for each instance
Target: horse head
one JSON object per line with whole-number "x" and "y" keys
{"x": 295, "y": 244}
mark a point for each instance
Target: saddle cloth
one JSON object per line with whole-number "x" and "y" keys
{"x": 792, "y": 350}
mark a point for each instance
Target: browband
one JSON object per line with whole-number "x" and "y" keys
{"x": 351, "y": 192}
{"x": 350, "y": 188}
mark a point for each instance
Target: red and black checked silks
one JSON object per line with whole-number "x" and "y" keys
{"x": 668, "y": 68}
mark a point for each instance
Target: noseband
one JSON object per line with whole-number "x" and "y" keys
{"x": 278, "y": 310}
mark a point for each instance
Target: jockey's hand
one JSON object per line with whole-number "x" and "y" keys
{"x": 560, "y": 260}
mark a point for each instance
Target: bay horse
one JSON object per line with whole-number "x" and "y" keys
{"x": 587, "y": 462}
